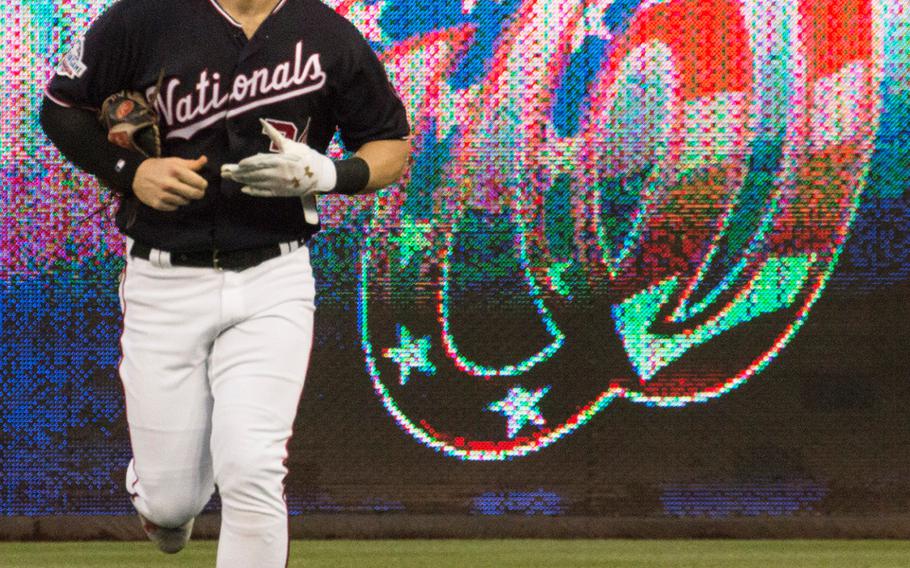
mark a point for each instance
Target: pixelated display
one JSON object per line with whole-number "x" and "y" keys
{"x": 610, "y": 202}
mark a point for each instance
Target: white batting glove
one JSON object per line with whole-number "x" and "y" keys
{"x": 296, "y": 170}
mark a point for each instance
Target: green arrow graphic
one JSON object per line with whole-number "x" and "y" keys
{"x": 774, "y": 287}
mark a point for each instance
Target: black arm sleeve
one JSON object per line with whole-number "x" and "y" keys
{"x": 80, "y": 137}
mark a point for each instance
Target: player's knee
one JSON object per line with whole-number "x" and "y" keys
{"x": 170, "y": 506}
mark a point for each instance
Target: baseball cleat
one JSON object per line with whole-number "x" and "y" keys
{"x": 169, "y": 541}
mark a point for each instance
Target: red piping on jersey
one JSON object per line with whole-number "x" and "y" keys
{"x": 234, "y": 22}
{"x": 224, "y": 13}
{"x": 278, "y": 7}
{"x": 65, "y": 104}
{"x": 48, "y": 94}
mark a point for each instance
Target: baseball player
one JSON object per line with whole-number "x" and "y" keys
{"x": 217, "y": 293}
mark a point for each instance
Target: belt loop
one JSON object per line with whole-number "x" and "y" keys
{"x": 160, "y": 258}
{"x": 310, "y": 213}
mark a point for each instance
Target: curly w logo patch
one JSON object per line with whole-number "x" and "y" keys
{"x": 610, "y": 200}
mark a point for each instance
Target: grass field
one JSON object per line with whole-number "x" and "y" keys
{"x": 486, "y": 553}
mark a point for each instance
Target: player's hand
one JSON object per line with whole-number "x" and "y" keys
{"x": 168, "y": 183}
{"x": 295, "y": 171}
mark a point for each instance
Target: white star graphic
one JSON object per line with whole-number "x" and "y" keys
{"x": 592, "y": 24}
{"x": 520, "y": 407}
{"x": 411, "y": 354}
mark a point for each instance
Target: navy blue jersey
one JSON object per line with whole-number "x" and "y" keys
{"x": 306, "y": 70}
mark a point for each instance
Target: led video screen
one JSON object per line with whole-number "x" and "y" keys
{"x": 650, "y": 258}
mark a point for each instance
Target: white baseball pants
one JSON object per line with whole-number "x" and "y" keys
{"x": 213, "y": 368}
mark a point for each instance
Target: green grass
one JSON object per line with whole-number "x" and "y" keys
{"x": 487, "y": 553}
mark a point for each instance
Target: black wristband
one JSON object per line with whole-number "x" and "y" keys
{"x": 353, "y": 175}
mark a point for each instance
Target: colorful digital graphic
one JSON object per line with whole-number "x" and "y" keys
{"x": 604, "y": 167}
{"x": 616, "y": 210}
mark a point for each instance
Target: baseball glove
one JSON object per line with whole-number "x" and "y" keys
{"x": 131, "y": 122}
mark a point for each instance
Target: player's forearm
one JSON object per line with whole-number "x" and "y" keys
{"x": 387, "y": 159}
{"x": 82, "y": 140}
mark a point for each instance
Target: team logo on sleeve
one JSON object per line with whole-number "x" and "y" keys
{"x": 71, "y": 64}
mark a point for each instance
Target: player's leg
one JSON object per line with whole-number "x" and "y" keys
{"x": 258, "y": 370}
{"x": 169, "y": 320}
